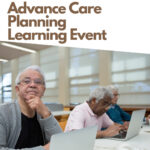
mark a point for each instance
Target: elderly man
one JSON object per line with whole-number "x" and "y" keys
{"x": 92, "y": 112}
{"x": 117, "y": 114}
{"x": 27, "y": 123}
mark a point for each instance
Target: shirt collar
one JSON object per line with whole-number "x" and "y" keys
{"x": 90, "y": 110}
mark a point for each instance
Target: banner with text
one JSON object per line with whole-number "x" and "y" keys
{"x": 118, "y": 25}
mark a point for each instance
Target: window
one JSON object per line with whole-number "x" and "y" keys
{"x": 131, "y": 73}
{"x": 49, "y": 65}
{"x": 6, "y": 89}
{"x": 24, "y": 62}
{"x": 83, "y": 73}
{"x": 0, "y": 89}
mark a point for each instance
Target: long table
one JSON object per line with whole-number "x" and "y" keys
{"x": 139, "y": 142}
{"x": 60, "y": 113}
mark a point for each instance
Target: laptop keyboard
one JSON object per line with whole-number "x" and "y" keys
{"x": 122, "y": 134}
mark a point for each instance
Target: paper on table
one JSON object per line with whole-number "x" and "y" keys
{"x": 116, "y": 145}
{"x": 106, "y": 144}
{"x": 126, "y": 146}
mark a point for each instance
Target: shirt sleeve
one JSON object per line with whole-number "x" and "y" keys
{"x": 50, "y": 126}
{"x": 125, "y": 116}
{"x": 106, "y": 121}
{"x": 2, "y": 135}
{"x": 75, "y": 120}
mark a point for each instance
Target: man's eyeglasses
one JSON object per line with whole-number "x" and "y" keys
{"x": 117, "y": 95}
{"x": 29, "y": 81}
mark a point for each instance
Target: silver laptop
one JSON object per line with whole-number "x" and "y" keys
{"x": 134, "y": 126}
{"x": 82, "y": 139}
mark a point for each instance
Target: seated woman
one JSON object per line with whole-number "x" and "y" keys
{"x": 117, "y": 114}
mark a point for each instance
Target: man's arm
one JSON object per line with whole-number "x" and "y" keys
{"x": 47, "y": 121}
{"x": 109, "y": 132}
{"x": 50, "y": 126}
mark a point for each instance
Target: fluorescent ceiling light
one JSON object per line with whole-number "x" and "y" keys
{"x": 18, "y": 47}
{"x": 4, "y": 60}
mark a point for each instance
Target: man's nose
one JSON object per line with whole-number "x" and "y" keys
{"x": 32, "y": 83}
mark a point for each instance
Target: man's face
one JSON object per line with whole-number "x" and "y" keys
{"x": 31, "y": 85}
{"x": 116, "y": 96}
{"x": 102, "y": 106}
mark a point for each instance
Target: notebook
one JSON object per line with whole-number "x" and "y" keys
{"x": 82, "y": 139}
{"x": 134, "y": 126}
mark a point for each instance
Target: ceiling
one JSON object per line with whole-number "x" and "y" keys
{"x": 12, "y": 53}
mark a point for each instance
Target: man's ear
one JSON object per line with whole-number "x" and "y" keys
{"x": 44, "y": 91}
{"x": 17, "y": 88}
{"x": 93, "y": 101}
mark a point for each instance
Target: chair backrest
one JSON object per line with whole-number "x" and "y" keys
{"x": 55, "y": 106}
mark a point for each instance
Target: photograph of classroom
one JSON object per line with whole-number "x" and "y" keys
{"x": 70, "y": 76}
{"x": 72, "y": 73}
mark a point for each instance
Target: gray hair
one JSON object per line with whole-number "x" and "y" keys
{"x": 99, "y": 93}
{"x": 35, "y": 68}
{"x": 113, "y": 88}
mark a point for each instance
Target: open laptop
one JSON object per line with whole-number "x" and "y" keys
{"x": 82, "y": 139}
{"x": 134, "y": 126}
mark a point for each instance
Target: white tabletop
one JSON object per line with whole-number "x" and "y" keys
{"x": 139, "y": 142}
{"x": 60, "y": 113}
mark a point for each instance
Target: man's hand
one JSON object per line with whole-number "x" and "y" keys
{"x": 46, "y": 147}
{"x": 110, "y": 131}
{"x": 126, "y": 125}
{"x": 37, "y": 105}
